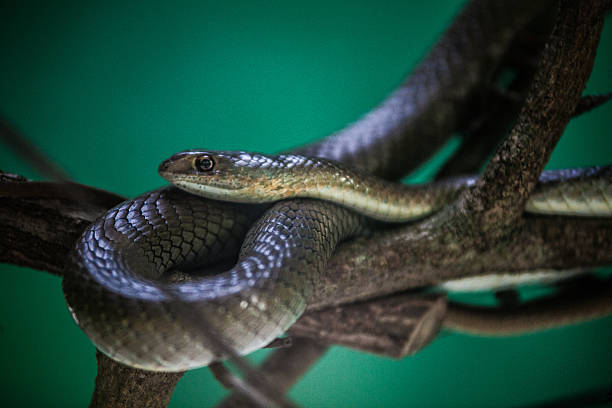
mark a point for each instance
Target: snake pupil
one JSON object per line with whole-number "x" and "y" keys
{"x": 204, "y": 163}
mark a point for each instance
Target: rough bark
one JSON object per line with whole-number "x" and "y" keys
{"x": 393, "y": 326}
{"x": 498, "y": 198}
{"x": 410, "y": 259}
{"x": 120, "y": 386}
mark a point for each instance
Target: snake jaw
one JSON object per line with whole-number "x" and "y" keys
{"x": 225, "y": 193}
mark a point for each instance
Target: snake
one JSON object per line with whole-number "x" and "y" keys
{"x": 282, "y": 256}
{"x": 117, "y": 288}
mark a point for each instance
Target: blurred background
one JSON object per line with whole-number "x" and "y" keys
{"x": 109, "y": 89}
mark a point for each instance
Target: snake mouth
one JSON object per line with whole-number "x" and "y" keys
{"x": 224, "y": 193}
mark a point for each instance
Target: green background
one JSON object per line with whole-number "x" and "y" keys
{"x": 110, "y": 89}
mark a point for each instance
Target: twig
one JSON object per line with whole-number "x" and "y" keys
{"x": 590, "y": 102}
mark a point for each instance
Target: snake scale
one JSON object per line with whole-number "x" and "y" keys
{"x": 115, "y": 287}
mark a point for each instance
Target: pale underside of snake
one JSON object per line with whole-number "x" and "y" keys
{"x": 280, "y": 260}
{"x": 117, "y": 288}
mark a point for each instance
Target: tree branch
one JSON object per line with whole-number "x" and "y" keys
{"x": 121, "y": 386}
{"x": 409, "y": 259}
{"x": 393, "y": 326}
{"x": 40, "y": 221}
{"x": 498, "y": 198}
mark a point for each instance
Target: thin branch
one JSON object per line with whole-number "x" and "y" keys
{"x": 256, "y": 386}
{"x": 25, "y": 149}
{"x": 280, "y": 342}
{"x": 589, "y": 102}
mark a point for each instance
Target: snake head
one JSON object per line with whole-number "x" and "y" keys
{"x": 231, "y": 175}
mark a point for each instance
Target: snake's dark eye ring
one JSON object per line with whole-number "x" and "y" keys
{"x": 204, "y": 163}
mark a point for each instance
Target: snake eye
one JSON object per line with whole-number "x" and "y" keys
{"x": 204, "y": 163}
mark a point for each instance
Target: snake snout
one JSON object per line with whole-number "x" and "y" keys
{"x": 163, "y": 167}
{"x": 175, "y": 165}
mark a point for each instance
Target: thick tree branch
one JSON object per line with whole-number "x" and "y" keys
{"x": 42, "y": 220}
{"x": 121, "y": 386}
{"x": 394, "y": 326}
{"x": 410, "y": 259}
{"x": 499, "y": 196}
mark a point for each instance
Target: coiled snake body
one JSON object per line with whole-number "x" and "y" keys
{"x": 115, "y": 291}
{"x": 115, "y": 287}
